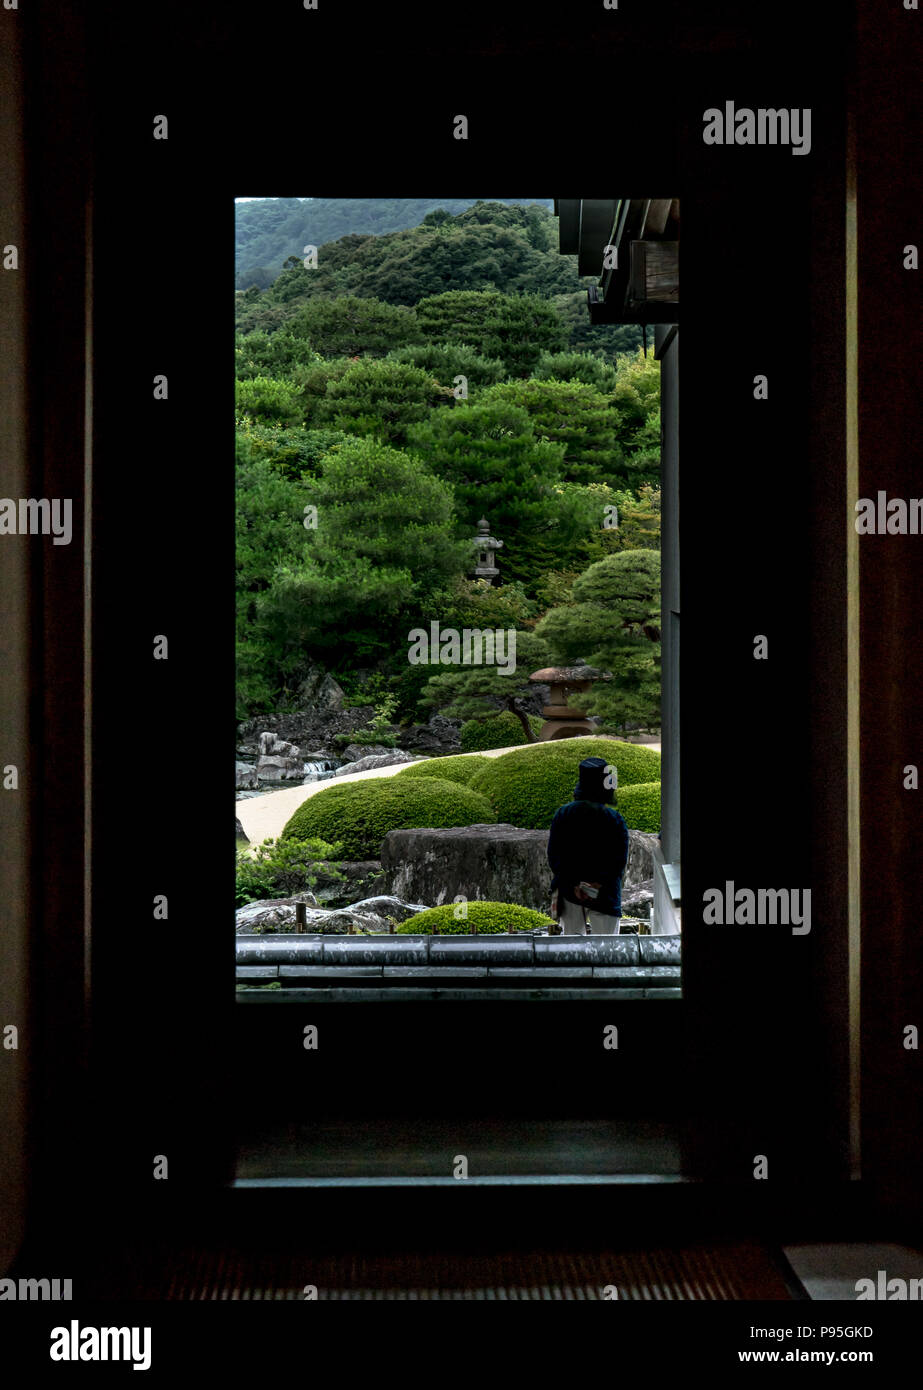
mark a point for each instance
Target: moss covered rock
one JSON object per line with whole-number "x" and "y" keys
{"x": 362, "y": 813}
{"x": 640, "y": 806}
{"x": 501, "y": 730}
{"x": 527, "y": 786}
{"x": 454, "y": 769}
{"x": 487, "y": 917}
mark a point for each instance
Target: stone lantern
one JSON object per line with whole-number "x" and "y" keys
{"x": 561, "y": 721}
{"x": 486, "y": 546}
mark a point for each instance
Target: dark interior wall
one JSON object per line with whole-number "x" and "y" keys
{"x": 766, "y": 1040}
{"x": 463, "y": 1058}
{"x": 44, "y": 304}
{"x": 16, "y": 556}
{"x": 60, "y": 289}
{"x": 890, "y": 423}
{"x": 166, "y": 1036}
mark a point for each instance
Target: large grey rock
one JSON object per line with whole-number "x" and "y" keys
{"x": 280, "y": 770}
{"x": 271, "y": 744}
{"x": 241, "y": 833}
{"x": 395, "y": 755}
{"x": 353, "y": 752}
{"x": 490, "y": 863}
{"x": 279, "y": 760}
{"x": 279, "y": 915}
{"x": 493, "y": 863}
{"x": 384, "y": 906}
{"x": 637, "y": 901}
{"x": 439, "y": 735}
{"x": 319, "y": 691}
{"x": 272, "y": 914}
{"x": 640, "y": 866}
{"x": 246, "y": 776}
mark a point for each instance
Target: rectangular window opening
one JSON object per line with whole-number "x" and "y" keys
{"x": 457, "y": 552}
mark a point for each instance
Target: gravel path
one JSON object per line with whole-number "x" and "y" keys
{"x": 262, "y": 816}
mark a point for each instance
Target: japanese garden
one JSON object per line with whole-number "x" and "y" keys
{"x": 448, "y": 568}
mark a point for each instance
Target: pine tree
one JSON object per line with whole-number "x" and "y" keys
{"x": 579, "y": 417}
{"x": 614, "y": 624}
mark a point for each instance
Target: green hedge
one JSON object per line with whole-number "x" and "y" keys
{"x": 359, "y": 814}
{"x": 451, "y": 769}
{"x": 640, "y": 806}
{"x": 527, "y": 786}
{"x": 487, "y": 917}
{"x": 501, "y": 730}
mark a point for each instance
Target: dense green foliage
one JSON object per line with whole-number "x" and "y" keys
{"x": 380, "y": 399}
{"x": 278, "y": 868}
{"x": 577, "y": 366}
{"x": 527, "y": 786}
{"x": 446, "y": 361}
{"x": 450, "y": 769}
{"x": 515, "y": 328}
{"x": 502, "y": 730}
{"x": 487, "y": 918}
{"x": 358, "y": 815}
{"x": 384, "y": 540}
{"x": 640, "y": 806}
{"x": 578, "y": 417}
{"x": 346, "y": 326}
{"x": 268, "y": 398}
{"x": 292, "y": 452}
{"x": 267, "y": 354}
{"x": 270, "y": 535}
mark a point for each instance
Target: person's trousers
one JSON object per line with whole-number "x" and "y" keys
{"x": 572, "y": 923}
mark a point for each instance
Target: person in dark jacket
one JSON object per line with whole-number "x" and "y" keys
{"x": 588, "y": 851}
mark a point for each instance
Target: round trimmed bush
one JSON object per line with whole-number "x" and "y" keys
{"x": 451, "y": 769}
{"x": 487, "y": 917}
{"x": 359, "y": 815}
{"x": 502, "y": 730}
{"x": 527, "y": 786}
{"x": 640, "y": 806}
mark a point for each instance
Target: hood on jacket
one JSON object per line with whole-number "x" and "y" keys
{"x": 591, "y": 783}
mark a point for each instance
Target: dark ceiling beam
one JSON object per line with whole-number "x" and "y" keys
{"x": 597, "y": 221}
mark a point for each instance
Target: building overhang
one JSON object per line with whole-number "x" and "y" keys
{"x": 632, "y": 245}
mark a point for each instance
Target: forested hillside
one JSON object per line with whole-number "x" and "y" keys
{"x": 268, "y": 230}
{"x": 490, "y": 246}
{"x": 411, "y": 384}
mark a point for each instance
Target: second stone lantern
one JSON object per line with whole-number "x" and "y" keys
{"x": 561, "y": 720}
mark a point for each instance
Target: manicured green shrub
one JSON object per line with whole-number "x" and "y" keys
{"x": 527, "y": 786}
{"x": 640, "y": 806}
{"x": 451, "y": 769}
{"x": 487, "y": 917}
{"x": 360, "y": 814}
{"x": 502, "y": 730}
{"x": 280, "y": 868}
